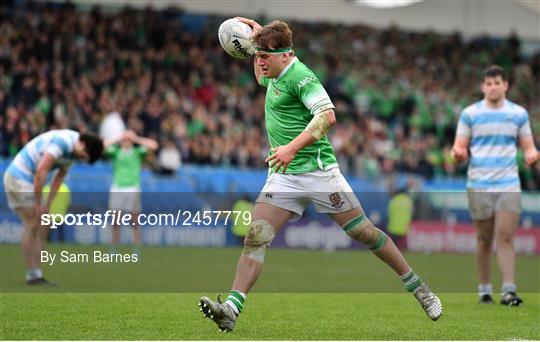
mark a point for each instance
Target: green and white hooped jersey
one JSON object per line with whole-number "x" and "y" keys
{"x": 291, "y": 101}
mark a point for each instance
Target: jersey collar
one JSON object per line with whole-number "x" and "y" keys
{"x": 504, "y": 105}
{"x": 287, "y": 67}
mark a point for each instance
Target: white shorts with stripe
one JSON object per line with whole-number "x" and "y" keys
{"x": 327, "y": 190}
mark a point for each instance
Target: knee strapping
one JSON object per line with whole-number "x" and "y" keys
{"x": 362, "y": 230}
{"x": 259, "y": 237}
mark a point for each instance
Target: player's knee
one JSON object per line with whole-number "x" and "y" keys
{"x": 484, "y": 241}
{"x": 362, "y": 230}
{"x": 33, "y": 227}
{"x": 505, "y": 238}
{"x": 31, "y": 231}
{"x": 259, "y": 237}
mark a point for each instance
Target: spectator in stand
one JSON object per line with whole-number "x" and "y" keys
{"x": 169, "y": 158}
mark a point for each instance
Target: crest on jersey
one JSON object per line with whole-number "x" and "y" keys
{"x": 276, "y": 91}
{"x": 335, "y": 200}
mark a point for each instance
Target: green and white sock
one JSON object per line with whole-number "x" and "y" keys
{"x": 235, "y": 301}
{"x": 411, "y": 280}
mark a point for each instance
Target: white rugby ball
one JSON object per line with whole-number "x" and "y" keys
{"x": 234, "y": 36}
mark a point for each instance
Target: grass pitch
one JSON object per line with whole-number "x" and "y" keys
{"x": 302, "y": 295}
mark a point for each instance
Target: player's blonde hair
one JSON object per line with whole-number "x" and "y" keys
{"x": 275, "y": 35}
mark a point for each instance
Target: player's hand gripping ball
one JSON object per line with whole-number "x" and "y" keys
{"x": 235, "y": 38}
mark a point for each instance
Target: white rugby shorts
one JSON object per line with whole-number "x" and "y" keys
{"x": 327, "y": 190}
{"x": 126, "y": 199}
{"x": 483, "y": 204}
{"x": 19, "y": 193}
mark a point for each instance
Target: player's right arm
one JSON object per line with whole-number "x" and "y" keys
{"x": 55, "y": 185}
{"x": 42, "y": 170}
{"x": 256, "y": 27}
{"x": 112, "y": 141}
{"x": 112, "y": 147}
{"x": 460, "y": 150}
{"x": 148, "y": 143}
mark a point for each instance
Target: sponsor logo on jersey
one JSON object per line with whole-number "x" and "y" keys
{"x": 305, "y": 81}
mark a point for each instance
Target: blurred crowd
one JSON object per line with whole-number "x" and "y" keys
{"x": 398, "y": 94}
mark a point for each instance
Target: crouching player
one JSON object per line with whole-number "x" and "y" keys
{"x": 24, "y": 180}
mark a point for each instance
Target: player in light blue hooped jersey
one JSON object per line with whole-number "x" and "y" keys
{"x": 490, "y": 129}
{"x": 24, "y": 180}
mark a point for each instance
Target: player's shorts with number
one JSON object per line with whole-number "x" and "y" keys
{"x": 328, "y": 190}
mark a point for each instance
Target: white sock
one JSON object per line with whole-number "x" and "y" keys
{"x": 508, "y": 287}
{"x": 485, "y": 289}
{"x": 34, "y": 273}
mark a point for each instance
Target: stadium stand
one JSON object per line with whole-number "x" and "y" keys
{"x": 397, "y": 93}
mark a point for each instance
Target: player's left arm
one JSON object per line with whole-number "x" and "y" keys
{"x": 315, "y": 98}
{"x": 526, "y": 140}
{"x": 529, "y": 150}
{"x": 460, "y": 149}
{"x": 315, "y": 130}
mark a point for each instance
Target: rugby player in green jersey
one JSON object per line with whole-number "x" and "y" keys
{"x": 127, "y": 154}
{"x": 302, "y": 170}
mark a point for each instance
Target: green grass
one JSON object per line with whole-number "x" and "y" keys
{"x": 267, "y": 316}
{"x": 337, "y": 296}
{"x": 201, "y": 270}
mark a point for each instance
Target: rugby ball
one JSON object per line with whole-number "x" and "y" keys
{"x": 235, "y": 38}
